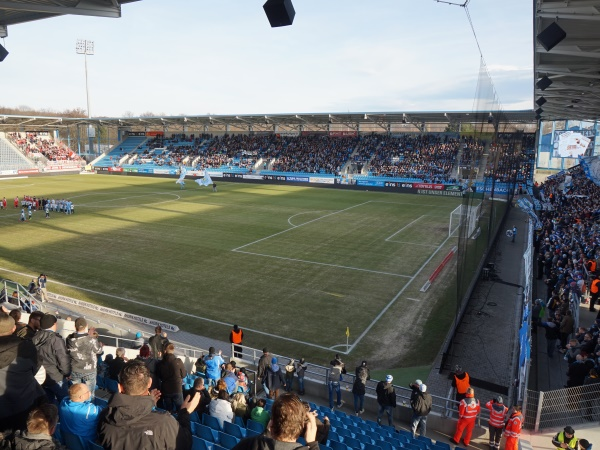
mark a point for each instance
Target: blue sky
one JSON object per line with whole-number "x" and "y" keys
{"x": 197, "y": 57}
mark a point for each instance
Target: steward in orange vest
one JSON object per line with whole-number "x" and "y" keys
{"x": 595, "y": 291}
{"x": 496, "y": 423}
{"x": 235, "y": 337}
{"x": 461, "y": 383}
{"x": 468, "y": 410}
{"x": 513, "y": 429}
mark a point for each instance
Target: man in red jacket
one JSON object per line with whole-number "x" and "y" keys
{"x": 513, "y": 429}
{"x": 496, "y": 423}
{"x": 468, "y": 410}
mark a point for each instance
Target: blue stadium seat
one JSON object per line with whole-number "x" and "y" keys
{"x": 353, "y": 443}
{"x": 211, "y": 422}
{"x": 218, "y": 447}
{"x": 73, "y": 441}
{"x": 347, "y": 421}
{"x": 206, "y": 433}
{"x": 227, "y": 441}
{"x": 255, "y": 426}
{"x": 405, "y": 433}
{"x": 412, "y": 446}
{"x": 234, "y": 430}
{"x": 389, "y": 445}
{"x": 301, "y": 441}
{"x": 374, "y": 435}
{"x": 335, "y": 445}
{"x": 334, "y": 436}
{"x": 101, "y": 402}
{"x": 439, "y": 445}
{"x": 425, "y": 439}
{"x": 201, "y": 444}
{"x": 344, "y": 433}
{"x": 368, "y": 446}
{"x": 100, "y": 382}
{"x": 240, "y": 422}
{"x": 390, "y": 429}
{"x": 365, "y": 439}
{"x": 324, "y": 447}
{"x": 364, "y": 426}
{"x": 252, "y": 433}
{"x": 195, "y": 417}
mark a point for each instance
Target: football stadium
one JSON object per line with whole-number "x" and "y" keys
{"x": 423, "y": 279}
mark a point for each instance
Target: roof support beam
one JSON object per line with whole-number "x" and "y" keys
{"x": 571, "y": 16}
{"x": 577, "y": 54}
{"x": 83, "y": 8}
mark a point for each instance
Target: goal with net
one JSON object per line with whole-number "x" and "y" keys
{"x": 464, "y": 214}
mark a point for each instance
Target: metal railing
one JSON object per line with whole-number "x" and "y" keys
{"x": 551, "y": 409}
{"x": 444, "y": 406}
{"x": 16, "y": 294}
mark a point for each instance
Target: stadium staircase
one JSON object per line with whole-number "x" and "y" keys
{"x": 11, "y": 157}
{"x": 127, "y": 147}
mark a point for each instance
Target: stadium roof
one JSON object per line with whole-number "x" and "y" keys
{"x": 265, "y": 122}
{"x": 573, "y": 65}
{"x": 19, "y": 11}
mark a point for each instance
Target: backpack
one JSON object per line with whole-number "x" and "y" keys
{"x": 335, "y": 374}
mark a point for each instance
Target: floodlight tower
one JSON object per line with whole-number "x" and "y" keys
{"x": 85, "y": 48}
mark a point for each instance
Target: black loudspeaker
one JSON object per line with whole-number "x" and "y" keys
{"x": 539, "y": 111}
{"x": 279, "y": 12}
{"x": 3, "y": 53}
{"x": 544, "y": 83}
{"x": 540, "y": 101}
{"x": 551, "y": 36}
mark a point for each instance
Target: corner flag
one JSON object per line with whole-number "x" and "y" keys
{"x": 347, "y": 331}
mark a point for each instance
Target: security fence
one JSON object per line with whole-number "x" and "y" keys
{"x": 569, "y": 406}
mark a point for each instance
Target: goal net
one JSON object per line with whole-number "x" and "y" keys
{"x": 467, "y": 215}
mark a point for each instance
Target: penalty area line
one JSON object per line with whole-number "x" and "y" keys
{"x": 324, "y": 264}
{"x": 161, "y": 308}
{"x": 404, "y": 228}
{"x": 301, "y": 225}
{"x": 393, "y": 300}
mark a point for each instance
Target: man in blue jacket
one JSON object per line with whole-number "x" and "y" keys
{"x": 78, "y": 415}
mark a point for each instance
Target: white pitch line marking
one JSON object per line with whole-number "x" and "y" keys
{"x": 412, "y": 243}
{"x": 404, "y": 227}
{"x": 413, "y": 299}
{"x": 411, "y": 204}
{"x": 324, "y": 264}
{"x": 392, "y": 301}
{"x": 299, "y": 214}
{"x": 305, "y": 223}
{"x": 174, "y": 311}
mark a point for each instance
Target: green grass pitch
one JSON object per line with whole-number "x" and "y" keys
{"x": 292, "y": 265}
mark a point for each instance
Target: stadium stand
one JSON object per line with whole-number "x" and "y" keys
{"x": 11, "y": 158}
{"x": 429, "y": 157}
{"x": 38, "y": 144}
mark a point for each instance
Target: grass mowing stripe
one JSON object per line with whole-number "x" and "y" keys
{"x": 388, "y": 306}
{"x": 324, "y": 264}
{"x": 298, "y": 226}
{"x": 182, "y": 314}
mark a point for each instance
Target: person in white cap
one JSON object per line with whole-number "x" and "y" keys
{"x": 420, "y": 402}
{"x": 386, "y": 397}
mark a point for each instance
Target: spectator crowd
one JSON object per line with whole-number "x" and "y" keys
{"x": 567, "y": 249}
{"x": 41, "y": 142}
